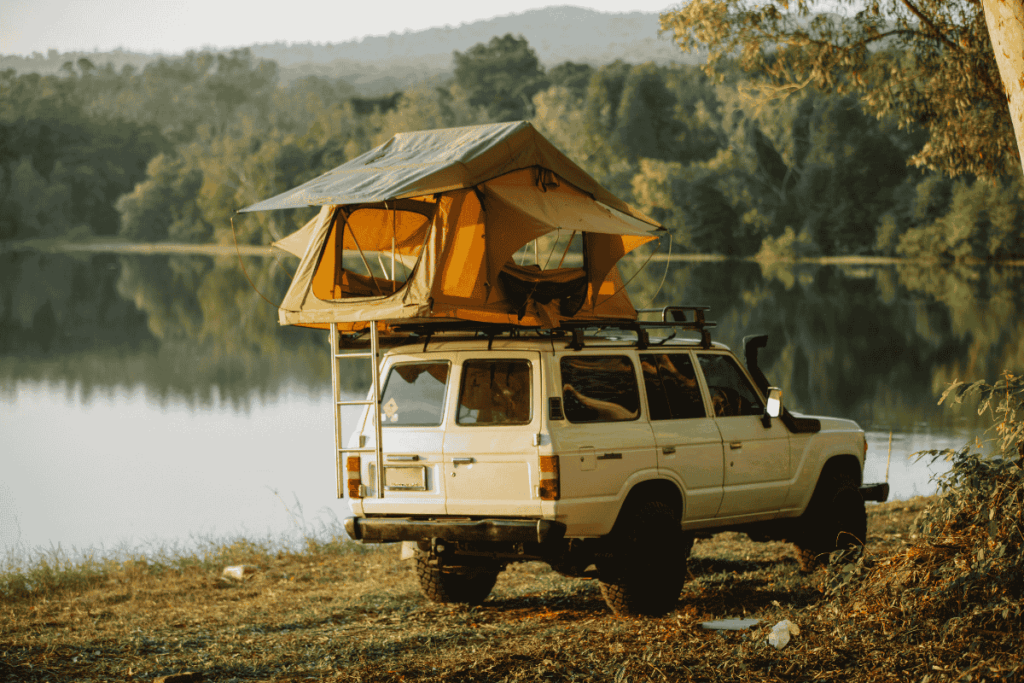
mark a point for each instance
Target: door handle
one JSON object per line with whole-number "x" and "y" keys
{"x": 610, "y": 456}
{"x": 463, "y": 461}
{"x": 735, "y": 445}
{"x": 403, "y": 458}
{"x": 668, "y": 450}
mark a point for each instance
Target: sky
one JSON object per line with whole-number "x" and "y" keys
{"x": 175, "y": 26}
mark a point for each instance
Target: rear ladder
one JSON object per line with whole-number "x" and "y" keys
{"x": 373, "y": 403}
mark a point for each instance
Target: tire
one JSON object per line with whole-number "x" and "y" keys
{"x": 454, "y": 584}
{"x": 835, "y": 519}
{"x": 646, "y": 569}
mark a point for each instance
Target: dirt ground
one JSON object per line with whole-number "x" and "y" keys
{"x": 357, "y": 614}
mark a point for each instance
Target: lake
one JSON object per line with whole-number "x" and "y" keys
{"x": 152, "y": 401}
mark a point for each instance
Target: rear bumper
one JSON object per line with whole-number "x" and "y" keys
{"x": 391, "y": 529}
{"x": 876, "y": 492}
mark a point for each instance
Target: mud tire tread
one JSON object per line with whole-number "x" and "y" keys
{"x": 648, "y": 566}
{"x": 454, "y": 586}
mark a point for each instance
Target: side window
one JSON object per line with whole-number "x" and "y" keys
{"x": 731, "y": 393}
{"x": 672, "y": 389}
{"x": 599, "y": 389}
{"x": 414, "y": 395}
{"x": 495, "y": 392}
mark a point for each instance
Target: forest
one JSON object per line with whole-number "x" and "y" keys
{"x": 170, "y": 151}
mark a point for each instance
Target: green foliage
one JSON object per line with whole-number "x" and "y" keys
{"x": 60, "y": 168}
{"x": 571, "y": 76}
{"x": 979, "y": 219}
{"x": 502, "y": 76}
{"x": 171, "y": 151}
{"x": 164, "y": 205}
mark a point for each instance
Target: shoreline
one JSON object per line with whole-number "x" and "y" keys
{"x": 113, "y": 246}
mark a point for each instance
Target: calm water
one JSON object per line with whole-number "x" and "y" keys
{"x": 155, "y": 401}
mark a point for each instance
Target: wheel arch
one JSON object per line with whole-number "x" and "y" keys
{"x": 664, "y": 490}
{"x": 841, "y": 465}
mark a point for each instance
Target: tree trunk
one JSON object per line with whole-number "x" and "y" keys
{"x": 1005, "y": 19}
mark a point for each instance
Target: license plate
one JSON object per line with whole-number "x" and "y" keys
{"x": 405, "y": 479}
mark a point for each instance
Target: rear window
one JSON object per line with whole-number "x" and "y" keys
{"x": 414, "y": 395}
{"x": 495, "y": 392}
{"x": 599, "y": 389}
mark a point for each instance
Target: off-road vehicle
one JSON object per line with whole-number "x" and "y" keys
{"x": 602, "y": 452}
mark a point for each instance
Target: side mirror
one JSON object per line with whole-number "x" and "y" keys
{"x": 773, "y": 407}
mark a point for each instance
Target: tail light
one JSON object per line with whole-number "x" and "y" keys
{"x": 352, "y": 476}
{"x": 549, "y": 486}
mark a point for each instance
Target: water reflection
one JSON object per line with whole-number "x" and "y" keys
{"x": 156, "y": 396}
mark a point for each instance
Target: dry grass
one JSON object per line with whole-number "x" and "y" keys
{"x": 342, "y": 612}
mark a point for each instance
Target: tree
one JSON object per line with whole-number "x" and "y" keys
{"x": 502, "y": 76}
{"x": 1005, "y": 22}
{"x": 927, "y": 62}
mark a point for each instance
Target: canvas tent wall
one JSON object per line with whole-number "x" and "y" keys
{"x": 449, "y": 208}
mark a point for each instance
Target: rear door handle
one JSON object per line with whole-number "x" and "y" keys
{"x": 735, "y": 445}
{"x": 668, "y": 450}
{"x": 463, "y": 461}
{"x": 610, "y": 456}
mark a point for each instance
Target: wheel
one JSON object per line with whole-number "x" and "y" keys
{"x": 835, "y": 519}
{"x": 454, "y": 584}
{"x": 647, "y": 566}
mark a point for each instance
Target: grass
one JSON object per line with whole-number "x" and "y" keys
{"x": 338, "y": 611}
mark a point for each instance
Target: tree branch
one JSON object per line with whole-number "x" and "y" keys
{"x": 930, "y": 25}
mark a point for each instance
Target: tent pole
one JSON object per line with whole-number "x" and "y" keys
{"x": 566, "y": 252}
{"x": 365, "y": 263}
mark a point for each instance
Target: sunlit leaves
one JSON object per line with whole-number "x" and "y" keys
{"x": 927, "y": 63}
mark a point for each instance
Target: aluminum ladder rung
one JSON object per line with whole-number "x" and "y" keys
{"x": 359, "y": 354}
{"x": 357, "y": 450}
{"x": 354, "y": 403}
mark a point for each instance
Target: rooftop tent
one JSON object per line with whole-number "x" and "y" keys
{"x": 425, "y": 227}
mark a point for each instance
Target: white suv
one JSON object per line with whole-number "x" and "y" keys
{"x": 602, "y": 456}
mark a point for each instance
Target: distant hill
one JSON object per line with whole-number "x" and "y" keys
{"x": 378, "y": 65}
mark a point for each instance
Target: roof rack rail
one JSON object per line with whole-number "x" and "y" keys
{"x": 698, "y": 321}
{"x": 639, "y": 327}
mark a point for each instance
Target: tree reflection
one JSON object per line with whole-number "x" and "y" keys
{"x": 877, "y": 344}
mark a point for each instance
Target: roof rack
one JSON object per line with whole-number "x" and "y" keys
{"x": 674, "y": 317}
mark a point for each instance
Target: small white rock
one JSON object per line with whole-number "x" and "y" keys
{"x": 238, "y": 571}
{"x": 781, "y": 633}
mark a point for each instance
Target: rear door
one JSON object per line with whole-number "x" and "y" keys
{"x": 490, "y": 453}
{"x": 605, "y": 441}
{"x": 414, "y": 398}
{"x": 688, "y": 440}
